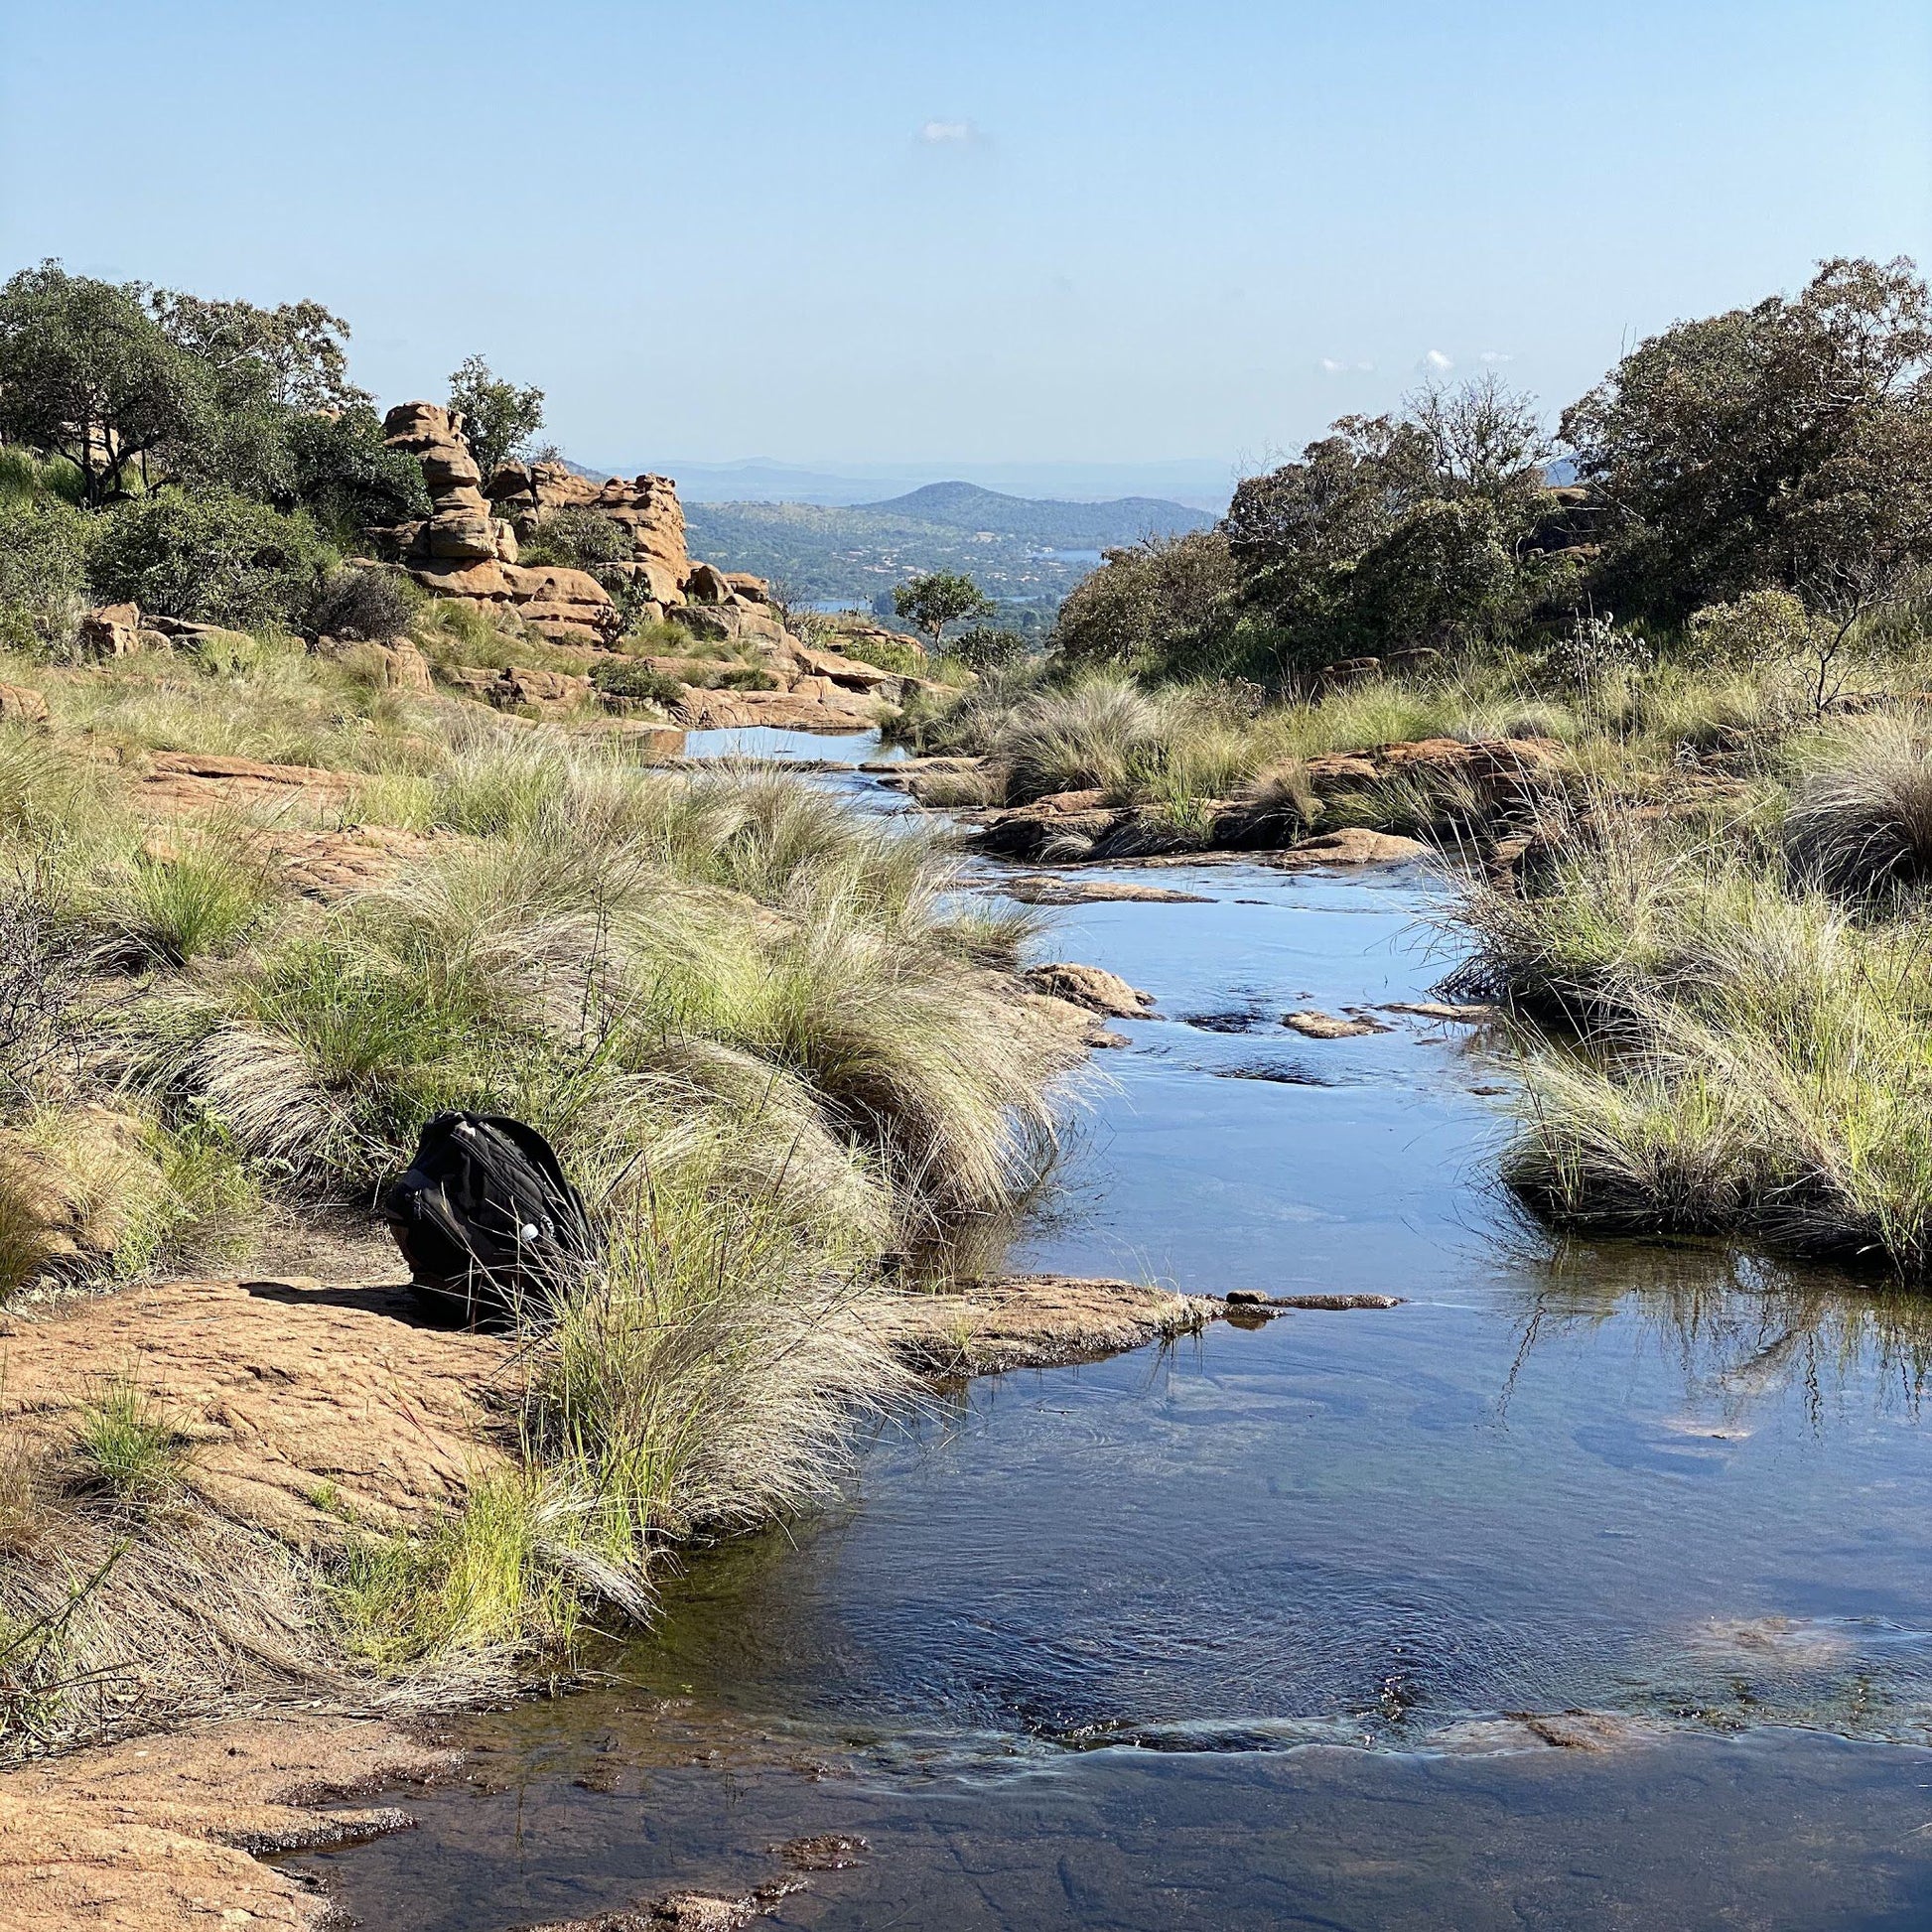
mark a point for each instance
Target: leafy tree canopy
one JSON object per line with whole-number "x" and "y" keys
{"x": 941, "y": 598}
{"x": 1146, "y": 600}
{"x": 87, "y": 370}
{"x": 1787, "y": 444}
{"x": 1395, "y": 530}
{"x": 500, "y": 420}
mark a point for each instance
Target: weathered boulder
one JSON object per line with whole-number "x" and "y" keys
{"x": 1312, "y": 1024}
{"x": 403, "y": 668}
{"x": 707, "y": 585}
{"x": 418, "y": 426}
{"x": 112, "y": 631}
{"x": 747, "y": 586}
{"x": 1352, "y": 845}
{"x": 20, "y": 704}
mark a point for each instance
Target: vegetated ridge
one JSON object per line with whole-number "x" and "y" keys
{"x": 1006, "y": 543}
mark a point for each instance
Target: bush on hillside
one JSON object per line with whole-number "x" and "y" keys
{"x": 43, "y": 570}
{"x": 348, "y": 478}
{"x": 1145, "y": 601}
{"x": 987, "y": 647}
{"x": 364, "y": 606}
{"x": 576, "y": 539}
{"x": 215, "y": 558}
{"x": 625, "y": 678}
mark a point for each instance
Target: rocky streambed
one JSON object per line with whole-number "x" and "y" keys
{"x": 1402, "y": 1572}
{"x": 1575, "y": 1587}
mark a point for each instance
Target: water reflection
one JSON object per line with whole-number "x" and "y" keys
{"x": 1740, "y": 1329}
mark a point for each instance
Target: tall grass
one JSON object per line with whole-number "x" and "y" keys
{"x": 1748, "y": 1056}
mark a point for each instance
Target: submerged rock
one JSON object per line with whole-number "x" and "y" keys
{"x": 1312, "y": 1024}
{"x": 1351, "y": 846}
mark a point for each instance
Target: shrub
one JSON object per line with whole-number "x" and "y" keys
{"x": 1762, "y": 627}
{"x": 625, "y": 678}
{"x": 903, "y": 657}
{"x": 348, "y": 478}
{"x": 987, "y": 647}
{"x": 43, "y": 570}
{"x": 577, "y": 538}
{"x": 364, "y": 606}
{"x": 216, "y": 558}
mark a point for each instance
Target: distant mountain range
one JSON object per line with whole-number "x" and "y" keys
{"x": 1019, "y": 549}
{"x": 1197, "y": 484}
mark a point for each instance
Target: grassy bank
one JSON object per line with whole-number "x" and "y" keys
{"x": 1730, "y": 1014}
{"x": 764, "y": 1037}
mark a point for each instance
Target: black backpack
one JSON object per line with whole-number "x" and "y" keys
{"x": 487, "y": 1221}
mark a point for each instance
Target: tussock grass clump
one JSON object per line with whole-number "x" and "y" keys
{"x": 1749, "y": 1056}
{"x": 127, "y": 1449}
{"x": 1861, "y": 822}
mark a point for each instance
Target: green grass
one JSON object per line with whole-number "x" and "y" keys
{"x": 128, "y": 1449}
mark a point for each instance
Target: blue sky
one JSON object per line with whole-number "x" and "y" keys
{"x": 968, "y": 233}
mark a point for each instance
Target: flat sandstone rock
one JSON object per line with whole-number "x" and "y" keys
{"x": 1053, "y": 888}
{"x": 1312, "y": 1024}
{"x": 982, "y": 1327}
{"x": 1351, "y": 846}
{"x": 157, "y": 1834}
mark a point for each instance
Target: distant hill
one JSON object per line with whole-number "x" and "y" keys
{"x": 1051, "y": 523}
{"x": 1017, "y": 548}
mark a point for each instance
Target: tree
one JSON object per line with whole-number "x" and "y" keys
{"x": 1770, "y": 446}
{"x": 500, "y": 420}
{"x": 295, "y": 355}
{"x": 1392, "y": 531}
{"x": 87, "y": 370}
{"x": 941, "y": 598}
{"x": 1147, "y": 600}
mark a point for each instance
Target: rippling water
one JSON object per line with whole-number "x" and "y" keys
{"x": 1241, "y": 1632}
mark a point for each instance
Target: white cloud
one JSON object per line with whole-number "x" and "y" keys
{"x": 1329, "y": 367}
{"x": 949, "y": 134}
{"x": 1434, "y": 363}
{"x": 1494, "y": 356}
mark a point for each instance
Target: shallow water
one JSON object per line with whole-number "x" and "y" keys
{"x": 1228, "y": 1634}
{"x": 789, "y": 747}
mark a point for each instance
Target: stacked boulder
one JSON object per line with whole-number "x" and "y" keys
{"x": 465, "y": 550}
{"x": 645, "y": 507}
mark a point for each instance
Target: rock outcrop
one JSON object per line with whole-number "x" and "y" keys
{"x": 468, "y": 548}
{"x": 465, "y": 549}
{"x": 645, "y": 506}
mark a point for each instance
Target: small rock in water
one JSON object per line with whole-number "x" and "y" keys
{"x": 1092, "y": 987}
{"x": 828, "y": 1852}
{"x": 1245, "y": 1297}
{"x": 1313, "y": 1023}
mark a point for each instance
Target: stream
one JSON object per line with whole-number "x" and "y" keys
{"x": 1278, "y": 1626}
